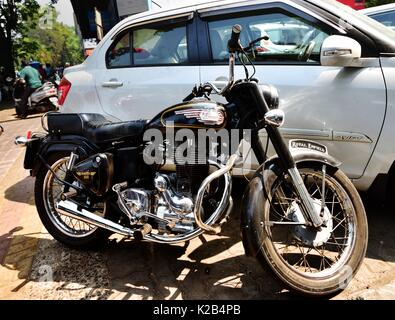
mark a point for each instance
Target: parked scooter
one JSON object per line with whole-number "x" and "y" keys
{"x": 43, "y": 99}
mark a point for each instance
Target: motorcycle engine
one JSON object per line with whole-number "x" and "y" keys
{"x": 174, "y": 211}
{"x": 191, "y": 168}
{"x": 172, "y": 201}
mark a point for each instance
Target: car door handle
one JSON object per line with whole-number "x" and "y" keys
{"x": 112, "y": 84}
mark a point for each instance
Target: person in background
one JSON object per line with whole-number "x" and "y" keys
{"x": 33, "y": 82}
{"x": 42, "y": 72}
{"x": 49, "y": 71}
{"x": 2, "y": 76}
{"x": 61, "y": 69}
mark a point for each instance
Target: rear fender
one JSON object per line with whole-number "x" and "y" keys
{"x": 259, "y": 189}
{"x": 52, "y": 145}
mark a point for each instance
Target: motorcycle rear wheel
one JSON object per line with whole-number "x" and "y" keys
{"x": 71, "y": 232}
{"x": 308, "y": 261}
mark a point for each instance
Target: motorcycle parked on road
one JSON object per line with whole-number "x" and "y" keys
{"x": 301, "y": 215}
{"x": 45, "y": 98}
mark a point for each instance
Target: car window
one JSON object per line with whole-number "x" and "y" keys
{"x": 119, "y": 54}
{"x": 386, "y": 18}
{"x": 162, "y": 45}
{"x": 291, "y": 38}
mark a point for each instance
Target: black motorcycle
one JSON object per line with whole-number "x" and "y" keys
{"x": 301, "y": 215}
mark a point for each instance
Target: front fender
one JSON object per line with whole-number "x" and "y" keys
{"x": 257, "y": 193}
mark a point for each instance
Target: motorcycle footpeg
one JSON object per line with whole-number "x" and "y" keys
{"x": 216, "y": 229}
{"x": 67, "y": 195}
{"x": 142, "y": 232}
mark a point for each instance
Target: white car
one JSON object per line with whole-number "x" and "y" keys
{"x": 384, "y": 14}
{"x": 152, "y": 60}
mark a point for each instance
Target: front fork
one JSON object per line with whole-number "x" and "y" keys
{"x": 288, "y": 164}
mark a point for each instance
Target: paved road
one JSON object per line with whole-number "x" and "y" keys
{"x": 34, "y": 266}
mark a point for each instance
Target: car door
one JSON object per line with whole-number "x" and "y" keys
{"x": 342, "y": 108}
{"x": 147, "y": 69}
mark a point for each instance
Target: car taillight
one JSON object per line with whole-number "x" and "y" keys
{"x": 29, "y": 135}
{"x": 64, "y": 88}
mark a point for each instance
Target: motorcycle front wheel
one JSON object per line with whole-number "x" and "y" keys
{"x": 313, "y": 261}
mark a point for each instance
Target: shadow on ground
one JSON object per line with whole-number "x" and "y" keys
{"x": 205, "y": 268}
{"x": 21, "y": 192}
{"x": 7, "y": 110}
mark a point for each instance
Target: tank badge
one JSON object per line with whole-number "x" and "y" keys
{"x": 206, "y": 116}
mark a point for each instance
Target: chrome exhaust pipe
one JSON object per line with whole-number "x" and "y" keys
{"x": 70, "y": 209}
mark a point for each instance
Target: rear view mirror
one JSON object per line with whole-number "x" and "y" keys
{"x": 340, "y": 51}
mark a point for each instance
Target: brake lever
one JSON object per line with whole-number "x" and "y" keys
{"x": 250, "y": 45}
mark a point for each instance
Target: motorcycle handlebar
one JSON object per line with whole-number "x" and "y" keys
{"x": 234, "y": 42}
{"x": 234, "y": 46}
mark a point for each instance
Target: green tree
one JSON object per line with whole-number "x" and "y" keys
{"x": 13, "y": 17}
{"x": 56, "y": 44}
{"x": 373, "y": 3}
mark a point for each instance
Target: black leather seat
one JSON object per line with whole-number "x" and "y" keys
{"x": 95, "y": 127}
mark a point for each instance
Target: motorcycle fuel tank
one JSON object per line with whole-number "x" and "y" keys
{"x": 194, "y": 114}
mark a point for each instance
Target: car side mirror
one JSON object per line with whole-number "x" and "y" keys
{"x": 340, "y": 51}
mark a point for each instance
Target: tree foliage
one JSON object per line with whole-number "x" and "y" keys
{"x": 55, "y": 44}
{"x": 21, "y": 36}
{"x": 373, "y": 3}
{"x": 13, "y": 15}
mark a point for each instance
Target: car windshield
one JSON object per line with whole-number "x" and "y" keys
{"x": 386, "y": 18}
{"x": 360, "y": 21}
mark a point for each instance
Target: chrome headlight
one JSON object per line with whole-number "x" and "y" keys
{"x": 271, "y": 96}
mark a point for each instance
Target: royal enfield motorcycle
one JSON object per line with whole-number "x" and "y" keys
{"x": 301, "y": 215}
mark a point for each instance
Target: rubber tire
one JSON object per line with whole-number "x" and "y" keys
{"x": 328, "y": 285}
{"x": 92, "y": 241}
{"x": 390, "y": 193}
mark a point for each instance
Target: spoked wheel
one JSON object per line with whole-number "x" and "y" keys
{"x": 316, "y": 261}
{"x": 67, "y": 230}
